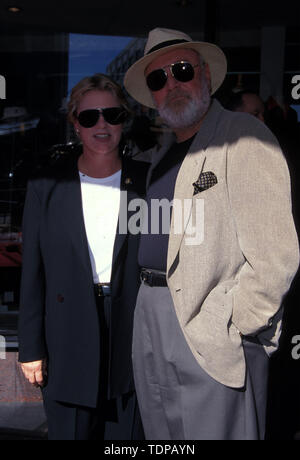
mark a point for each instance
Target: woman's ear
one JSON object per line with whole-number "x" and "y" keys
{"x": 76, "y": 128}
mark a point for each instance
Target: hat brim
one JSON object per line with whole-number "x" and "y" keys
{"x": 135, "y": 82}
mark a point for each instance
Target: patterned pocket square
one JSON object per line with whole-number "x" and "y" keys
{"x": 206, "y": 180}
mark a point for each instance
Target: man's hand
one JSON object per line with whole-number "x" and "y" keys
{"x": 35, "y": 372}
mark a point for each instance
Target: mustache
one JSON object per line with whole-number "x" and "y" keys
{"x": 173, "y": 94}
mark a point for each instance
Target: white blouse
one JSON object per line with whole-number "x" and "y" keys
{"x": 101, "y": 202}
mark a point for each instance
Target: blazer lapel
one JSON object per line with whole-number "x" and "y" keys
{"x": 73, "y": 213}
{"x": 183, "y": 196}
{"x": 189, "y": 172}
{"x": 127, "y": 194}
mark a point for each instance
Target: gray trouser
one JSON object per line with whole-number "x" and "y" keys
{"x": 177, "y": 399}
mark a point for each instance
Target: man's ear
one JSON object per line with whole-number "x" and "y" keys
{"x": 208, "y": 75}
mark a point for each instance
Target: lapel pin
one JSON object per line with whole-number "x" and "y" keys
{"x": 128, "y": 181}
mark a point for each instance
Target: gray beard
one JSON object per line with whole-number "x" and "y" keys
{"x": 188, "y": 112}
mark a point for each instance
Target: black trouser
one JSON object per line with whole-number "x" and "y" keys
{"x": 116, "y": 419}
{"x": 119, "y": 421}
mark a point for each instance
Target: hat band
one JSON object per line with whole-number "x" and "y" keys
{"x": 164, "y": 44}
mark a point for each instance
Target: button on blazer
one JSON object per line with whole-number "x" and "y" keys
{"x": 232, "y": 280}
{"x": 58, "y": 314}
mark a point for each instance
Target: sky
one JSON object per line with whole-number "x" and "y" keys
{"x": 89, "y": 54}
{"x": 297, "y": 108}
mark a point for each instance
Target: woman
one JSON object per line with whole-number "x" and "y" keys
{"x": 80, "y": 276}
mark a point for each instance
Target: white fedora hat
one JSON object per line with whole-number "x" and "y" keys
{"x": 160, "y": 41}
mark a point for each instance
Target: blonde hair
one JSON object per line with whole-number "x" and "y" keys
{"x": 100, "y": 82}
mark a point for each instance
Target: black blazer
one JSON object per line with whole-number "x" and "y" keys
{"x": 58, "y": 317}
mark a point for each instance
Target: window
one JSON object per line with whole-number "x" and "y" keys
{"x": 40, "y": 70}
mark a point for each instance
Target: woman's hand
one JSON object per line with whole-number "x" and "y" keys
{"x": 35, "y": 372}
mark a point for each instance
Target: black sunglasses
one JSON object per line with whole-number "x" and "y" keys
{"x": 112, "y": 115}
{"x": 182, "y": 71}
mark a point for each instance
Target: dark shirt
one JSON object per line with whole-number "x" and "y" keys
{"x": 155, "y": 236}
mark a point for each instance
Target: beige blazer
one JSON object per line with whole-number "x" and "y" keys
{"x": 232, "y": 279}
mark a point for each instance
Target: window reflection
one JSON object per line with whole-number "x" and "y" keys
{"x": 39, "y": 71}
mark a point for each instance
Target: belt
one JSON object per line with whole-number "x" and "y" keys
{"x": 153, "y": 277}
{"x": 102, "y": 289}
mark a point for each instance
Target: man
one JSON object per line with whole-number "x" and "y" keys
{"x": 249, "y": 102}
{"x": 209, "y": 310}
